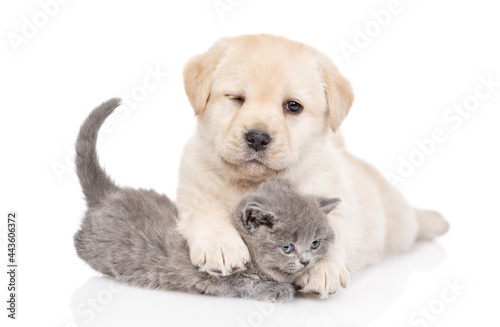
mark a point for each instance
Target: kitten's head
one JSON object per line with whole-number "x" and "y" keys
{"x": 286, "y": 232}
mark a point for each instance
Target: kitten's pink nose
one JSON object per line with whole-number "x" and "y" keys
{"x": 305, "y": 263}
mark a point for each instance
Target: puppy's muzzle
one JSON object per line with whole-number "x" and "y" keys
{"x": 257, "y": 140}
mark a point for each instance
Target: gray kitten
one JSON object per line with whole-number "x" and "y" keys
{"x": 131, "y": 234}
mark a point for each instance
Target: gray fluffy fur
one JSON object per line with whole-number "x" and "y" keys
{"x": 130, "y": 234}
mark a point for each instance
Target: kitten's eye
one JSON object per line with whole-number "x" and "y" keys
{"x": 287, "y": 248}
{"x": 315, "y": 245}
{"x": 293, "y": 107}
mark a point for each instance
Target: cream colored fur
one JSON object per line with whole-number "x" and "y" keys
{"x": 218, "y": 168}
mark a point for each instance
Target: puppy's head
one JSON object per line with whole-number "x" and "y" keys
{"x": 264, "y": 102}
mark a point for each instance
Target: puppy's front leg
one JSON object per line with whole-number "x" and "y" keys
{"x": 325, "y": 278}
{"x": 330, "y": 274}
{"x": 214, "y": 243}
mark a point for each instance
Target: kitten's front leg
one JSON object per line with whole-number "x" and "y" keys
{"x": 247, "y": 286}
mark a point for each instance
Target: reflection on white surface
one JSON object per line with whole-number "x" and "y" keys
{"x": 103, "y": 302}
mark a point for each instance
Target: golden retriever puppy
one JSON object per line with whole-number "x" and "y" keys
{"x": 270, "y": 107}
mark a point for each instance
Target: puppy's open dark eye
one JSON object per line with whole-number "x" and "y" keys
{"x": 315, "y": 245}
{"x": 287, "y": 248}
{"x": 293, "y": 106}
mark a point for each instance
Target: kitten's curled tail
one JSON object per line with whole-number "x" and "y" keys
{"x": 95, "y": 182}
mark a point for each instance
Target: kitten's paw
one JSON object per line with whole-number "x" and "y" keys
{"x": 219, "y": 254}
{"x": 324, "y": 278}
{"x": 275, "y": 292}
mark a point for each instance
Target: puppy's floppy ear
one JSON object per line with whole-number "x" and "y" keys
{"x": 254, "y": 215}
{"x": 327, "y": 205}
{"x": 338, "y": 91}
{"x": 198, "y": 75}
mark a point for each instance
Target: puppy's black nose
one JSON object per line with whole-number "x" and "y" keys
{"x": 305, "y": 263}
{"x": 257, "y": 140}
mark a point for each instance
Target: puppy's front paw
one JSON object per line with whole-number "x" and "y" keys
{"x": 324, "y": 278}
{"x": 219, "y": 254}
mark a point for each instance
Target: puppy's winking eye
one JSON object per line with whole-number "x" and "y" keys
{"x": 293, "y": 107}
{"x": 236, "y": 98}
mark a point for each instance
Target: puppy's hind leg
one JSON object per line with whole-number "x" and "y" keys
{"x": 431, "y": 224}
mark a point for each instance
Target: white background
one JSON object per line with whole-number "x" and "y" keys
{"x": 428, "y": 58}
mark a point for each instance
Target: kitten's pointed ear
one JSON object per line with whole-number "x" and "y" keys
{"x": 327, "y": 205}
{"x": 254, "y": 216}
